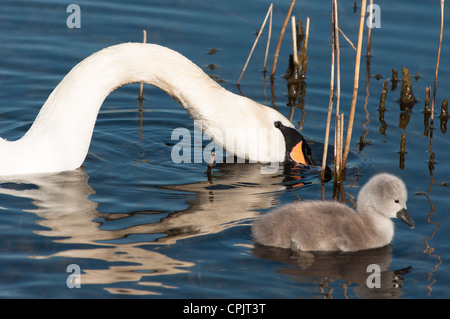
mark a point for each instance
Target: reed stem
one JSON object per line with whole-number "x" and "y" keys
{"x": 330, "y": 101}
{"x": 141, "y": 90}
{"x": 338, "y": 57}
{"x": 339, "y": 139}
{"x": 280, "y": 39}
{"x": 339, "y": 126}
{"x": 369, "y": 32}
{"x": 269, "y": 12}
{"x": 211, "y": 163}
{"x": 268, "y": 37}
{"x": 432, "y": 155}
{"x": 437, "y": 63}
{"x": 355, "y": 84}
{"x": 294, "y": 44}
{"x": 305, "y": 48}
{"x": 347, "y": 39}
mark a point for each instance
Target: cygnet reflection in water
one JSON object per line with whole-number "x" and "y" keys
{"x": 333, "y": 226}
{"x": 333, "y": 268}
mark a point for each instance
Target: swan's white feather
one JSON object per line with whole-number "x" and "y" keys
{"x": 60, "y": 136}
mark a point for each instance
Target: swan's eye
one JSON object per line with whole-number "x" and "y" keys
{"x": 397, "y": 201}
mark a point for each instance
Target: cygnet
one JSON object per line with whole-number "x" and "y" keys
{"x": 333, "y": 226}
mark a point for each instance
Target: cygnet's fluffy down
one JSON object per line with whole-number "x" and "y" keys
{"x": 333, "y": 226}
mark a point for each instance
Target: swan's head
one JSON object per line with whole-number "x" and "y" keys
{"x": 297, "y": 150}
{"x": 388, "y": 195}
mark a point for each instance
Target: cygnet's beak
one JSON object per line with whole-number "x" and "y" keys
{"x": 297, "y": 150}
{"x": 403, "y": 215}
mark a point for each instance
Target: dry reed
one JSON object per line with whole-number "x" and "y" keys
{"x": 141, "y": 90}
{"x": 269, "y": 36}
{"x": 338, "y": 57}
{"x": 355, "y": 84}
{"x": 339, "y": 122}
{"x": 269, "y": 12}
{"x": 437, "y": 62}
{"x": 294, "y": 44}
{"x": 347, "y": 39}
{"x": 305, "y": 49}
{"x": 280, "y": 39}
{"x": 339, "y": 126}
{"x": 369, "y": 32}
{"x": 330, "y": 101}
{"x": 339, "y": 138}
{"x": 432, "y": 155}
{"x": 211, "y": 163}
{"x": 427, "y": 108}
{"x": 334, "y": 51}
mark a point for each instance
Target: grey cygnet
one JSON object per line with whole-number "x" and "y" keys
{"x": 333, "y": 226}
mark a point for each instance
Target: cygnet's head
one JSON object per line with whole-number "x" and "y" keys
{"x": 387, "y": 194}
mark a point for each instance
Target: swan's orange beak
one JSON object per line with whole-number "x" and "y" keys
{"x": 297, "y": 154}
{"x": 297, "y": 150}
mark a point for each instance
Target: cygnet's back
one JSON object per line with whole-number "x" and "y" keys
{"x": 330, "y": 225}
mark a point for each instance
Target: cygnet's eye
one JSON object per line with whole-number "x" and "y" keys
{"x": 397, "y": 201}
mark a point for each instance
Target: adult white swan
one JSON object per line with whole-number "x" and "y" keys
{"x": 60, "y": 136}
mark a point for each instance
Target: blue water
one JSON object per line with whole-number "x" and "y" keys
{"x": 138, "y": 225}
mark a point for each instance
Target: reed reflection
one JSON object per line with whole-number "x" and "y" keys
{"x": 429, "y": 250}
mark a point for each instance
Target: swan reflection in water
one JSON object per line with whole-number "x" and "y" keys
{"x": 70, "y": 217}
{"x": 232, "y": 197}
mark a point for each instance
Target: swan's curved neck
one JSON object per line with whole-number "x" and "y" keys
{"x": 59, "y": 138}
{"x": 76, "y": 101}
